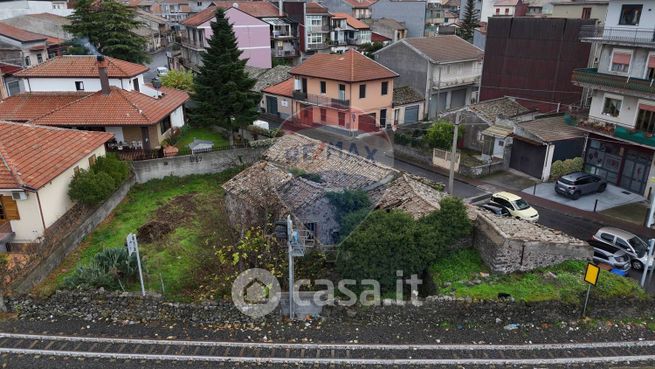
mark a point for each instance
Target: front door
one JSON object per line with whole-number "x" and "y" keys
{"x": 271, "y": 105}
{"x": 383, "y": 118}
{"x": 307, "y": 114}
{"x": 145, "y": 138}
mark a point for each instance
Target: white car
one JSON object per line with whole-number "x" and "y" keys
{"x": 516, "y": 206}
{"x": 162, "y": 71}
{"x": 634, "y": 246}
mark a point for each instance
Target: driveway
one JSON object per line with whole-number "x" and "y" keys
{"x": 612, "y": 197}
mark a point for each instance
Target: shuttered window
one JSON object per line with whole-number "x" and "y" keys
{"x": 621, "y": 62}
{"x": 9, "y": 208}
{"x": 650, "y": 68}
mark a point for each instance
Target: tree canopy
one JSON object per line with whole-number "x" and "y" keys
{"x": 109, "y": 28}
{"x": 180, "y": 79}
{"x": 470, "y": 21}
{"x": 223, "y": 93}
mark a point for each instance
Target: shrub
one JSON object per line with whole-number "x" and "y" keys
{"x": 560, "y": 168}
{"x": 440, "y": 135}
{"x": 91, "y": 188}
{"x": 402, "y": 139}
{"x": 182, "y": 80}
{"x": 106, "y": 270}
{"x": 348, "y": 201}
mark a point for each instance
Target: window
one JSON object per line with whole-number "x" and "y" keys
{"x": 92, "y": 160}
{"x": 135, "y": 83}
{"x": 342, "y": 119}
{"x": 506, "y": 10}
{"x": 607, "y": 237}
{"x": 314, "y": 20}
{"x": 646, "y": 119}
{"x": 385, "y": 88}
{"x": 39, "y": 58}
{"x": 8, "y": 208}
{"x": 199, "y": 3}
{"x": 621, "y": 61}
{"x": 323, "y": 115}
{"x": 79, "y": 85}
{"x": 612, "y": 107}
{"x": 497, "y": 11}
{"x": 650, "y": 67}
{"x": 316, "y": 38}
{"x": 630, "y": 15}
{"x": 586, "y": 13}
{"x": 362, "y": 91}
{"x": 28, "y": 62}
{"x": 165, "y": 124}
{"x": 342, "y": 92}
{"x": 323, "y": 87}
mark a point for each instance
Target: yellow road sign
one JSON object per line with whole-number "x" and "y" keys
{"x": 591, "y": 274}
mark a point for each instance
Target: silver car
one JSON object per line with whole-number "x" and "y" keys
{"x": 576, "y": 184}
{"x": 610, "y": 255}
{"x": 634, "y": 246}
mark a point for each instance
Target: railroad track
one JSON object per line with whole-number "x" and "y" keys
{"x": 325, "y": 354}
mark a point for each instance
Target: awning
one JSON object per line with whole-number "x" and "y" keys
{"x": 498, "y": 131}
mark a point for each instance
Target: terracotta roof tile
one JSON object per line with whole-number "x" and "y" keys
{"x": 20, "y": 34}
{"x": 82, "y": 66}
{"x": 315, "y": 8}
{"x": 281, "y": 89}
{"x": 376, "y": 37}
{"x": 6, "y": 68}
{"x": 257, "y": 9}
{"x": 119, "y": 108}
{"x": 352, "y": 21}
{"x": 27, "y": 106}
{"x": 445, "y": 49}
{"x": 348, "y": 67}
{"x": 33, "y": 155}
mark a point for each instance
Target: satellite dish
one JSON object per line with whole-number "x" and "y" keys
{"x": 235, "y": 5}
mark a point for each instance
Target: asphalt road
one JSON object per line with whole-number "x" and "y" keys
{"x": 462, "y": 189}
{"x": 158, "y": 60}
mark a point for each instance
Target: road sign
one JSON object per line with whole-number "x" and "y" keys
{"x": 591, "y": 274}
{"x": 131, "y": 243}
{"x": 133, "y": 246}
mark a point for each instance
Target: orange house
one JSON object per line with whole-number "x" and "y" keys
{"x": 347, "y": 90}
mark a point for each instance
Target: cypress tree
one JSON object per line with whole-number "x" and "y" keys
{"x": 223, "y": 93}
{"x": 470, "y": 21}
{"x": 109, "y": 27}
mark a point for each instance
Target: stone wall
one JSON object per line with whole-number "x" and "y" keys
{"x": 65, "y": 238}
{"x": 203, "y": 163}
{"x": 509, "y": 245}
{"x": 412, "y": 155}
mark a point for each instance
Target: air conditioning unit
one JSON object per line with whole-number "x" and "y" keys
{"x": 19, "y": 195}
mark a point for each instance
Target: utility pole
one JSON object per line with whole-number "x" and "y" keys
{"x": 651, "y": 242}
{"x": 453, "y": 152}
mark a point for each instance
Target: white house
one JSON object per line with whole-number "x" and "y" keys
{"x": 36, "y": 166}
{"x": 96, "y": 93}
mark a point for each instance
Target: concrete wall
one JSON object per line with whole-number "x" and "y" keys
{"x": 30, "y": 226}
{"x": 210, "y": 162}
{"x": 411, "y": 13}
{"x": 70, "y": 243}
{"x": 506, "y": 254}
{"x": 646, "y": 21}
{"x": 574, "y": 10}
{"x": 629, "y": 108}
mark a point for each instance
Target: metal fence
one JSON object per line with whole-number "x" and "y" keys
{"x": 141, "y": 154}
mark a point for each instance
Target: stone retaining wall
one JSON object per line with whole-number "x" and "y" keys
{"x": 203, "y": 163}
{"x": 509, "y": 245}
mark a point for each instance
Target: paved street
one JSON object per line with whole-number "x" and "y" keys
{"x": 158, "y": 60}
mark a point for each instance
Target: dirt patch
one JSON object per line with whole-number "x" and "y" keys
{"x": 175, "y": 213}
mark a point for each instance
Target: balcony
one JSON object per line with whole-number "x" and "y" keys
{"x": 626, "y": 35}
{"x": 589, "y": 77}
{"x": 324, "y": 28}
{"x": 281, "y": 34}
{"x": 620, "y": 132}
{"x": 284, "y": 53}
{"x": 320, "y": 46}
{"x": 191, "y": 44}
{"x": 321, "y": 100}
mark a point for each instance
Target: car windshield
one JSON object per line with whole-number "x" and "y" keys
{"x": 639, "y": 245}
{"x": 520, "y": 204}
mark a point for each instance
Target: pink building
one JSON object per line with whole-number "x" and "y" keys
{"x": 253, "y": 37}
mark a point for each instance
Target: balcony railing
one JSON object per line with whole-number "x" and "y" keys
{"x": 281, "y": 34}
{"x": 587, "y": 77}
{"x": 197, "y": 45}
{"x": 284, "y": 53}
{"x": 614, "y": 130}
{"x": 320, "y": 46}
{"x": 318, "y": 29}
{"x": 625, "y": 34}
{"x": 321, "y": 100}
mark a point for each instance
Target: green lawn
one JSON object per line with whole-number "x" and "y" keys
{"x": 189, "y": 134}
{"x": 175, "y": 258}
{"x": 453, "y": 274}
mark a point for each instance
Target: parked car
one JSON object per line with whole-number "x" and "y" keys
{"x": 576, "y": 184}
{"x": 610, "y": 255}
{"x": 162, "y": 71}
{"x": 495, "y": 209}
{"x": 634, "y": 246}
{"x": 516, "y": 206}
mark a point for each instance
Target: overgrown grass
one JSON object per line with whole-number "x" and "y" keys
{"x": 456, "y": 272}
{"x": 175, "y": 257}
{"x": 189, "y": 134}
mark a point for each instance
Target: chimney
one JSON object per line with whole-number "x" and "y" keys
{"x": 280, "y": 5}
{"x": 102, "y": 71}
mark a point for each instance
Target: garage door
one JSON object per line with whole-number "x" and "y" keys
{"x": 411, "y": 114}
{"x": 528, "y": 158}
{"x": 458, "y": 98}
